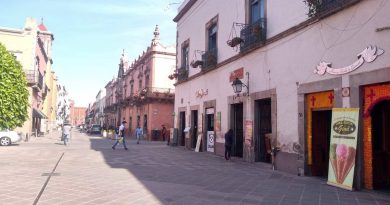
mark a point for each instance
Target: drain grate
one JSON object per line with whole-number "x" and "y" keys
{"x": 52, "y": 174}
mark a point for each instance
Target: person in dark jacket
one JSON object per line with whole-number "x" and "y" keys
{"x": 228, "y": 143}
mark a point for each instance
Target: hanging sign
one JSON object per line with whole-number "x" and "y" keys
{"x": 342, "y": 151}
{"x": 239, "y": 73}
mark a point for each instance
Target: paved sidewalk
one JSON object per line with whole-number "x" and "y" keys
{"x": 88, "y": 171}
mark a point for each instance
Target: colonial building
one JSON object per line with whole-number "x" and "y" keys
{"x": 77, "y": 114}
{"x": 99, "y": 108}
{"x": 32, "y": 47}
{"x": 291, "y": 63}
{"x": 142, "y": 94}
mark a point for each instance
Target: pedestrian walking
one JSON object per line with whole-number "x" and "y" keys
{"x": 66, "y": 128}
{"x": 120, "y": 136}
{"x": 138, "y": 133}
{"x": 228, "y": 143}
{"x": 163, "y": 132}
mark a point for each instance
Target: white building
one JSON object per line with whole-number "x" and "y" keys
{"x": 275, "y": 47}
{"x": 99, "y": 107}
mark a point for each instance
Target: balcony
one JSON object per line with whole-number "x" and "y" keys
{"x": 45, "y": 91}
{"x": 34, "y": 79}
{"x": 253, "y": 34}
{"x": 153, "y": 92}
{"x": 182, "y": 74}
{"x": 209, "y": 59}
{"x": 318, "y": 8}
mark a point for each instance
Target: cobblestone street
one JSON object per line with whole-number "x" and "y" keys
{"x": 88, "y": 171}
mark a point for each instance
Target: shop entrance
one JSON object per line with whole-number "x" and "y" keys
{"x": 381, "y": 145}
{"x": 321, "y": 128}
{"x": 237, "y": 123}
{"x": 263, "y": 129}
{"x": 182, "y": 126}
{"x": 194, "y": 128}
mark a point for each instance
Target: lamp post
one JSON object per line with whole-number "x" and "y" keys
{"x": 237, "y": 85}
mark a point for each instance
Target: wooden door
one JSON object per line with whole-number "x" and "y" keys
{"x": 381, "y": 145}
{"x": 263, "y": 126}
{"x": 237, "y": 126}
{"x": 321, "y": 128}
{"x": 194, "y": 128}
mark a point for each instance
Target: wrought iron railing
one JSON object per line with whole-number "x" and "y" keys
{"x": 320, "y": 7}
{"x": 34, "y": 78}
{"x": 253, "y": 34}
{"x": 209, "y": 58}
{"x": 182, "y": 74}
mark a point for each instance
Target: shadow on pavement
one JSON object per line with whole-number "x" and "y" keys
{"x": 177, "y": 176}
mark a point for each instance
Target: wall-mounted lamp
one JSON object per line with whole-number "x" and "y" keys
{"x": 237, "y": 85}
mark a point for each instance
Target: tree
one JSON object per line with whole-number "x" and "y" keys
{"x": 13, "y": 91}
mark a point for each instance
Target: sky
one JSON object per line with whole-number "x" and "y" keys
{"x": 90, "y": 35}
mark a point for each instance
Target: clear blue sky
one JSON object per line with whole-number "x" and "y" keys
{"x": 89, "y": 35}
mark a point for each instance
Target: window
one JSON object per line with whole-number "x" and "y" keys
{"x": 145, "y": 123}
{"x": 184, "y": 54}
{"x": 138, "y": 121}
{"x": 147, "y": 81}
{"x": 131, "y": 89}
{"x": 256, "y": 10}
{"x": 212, "y": 37}
{"x": 140, "y": 85}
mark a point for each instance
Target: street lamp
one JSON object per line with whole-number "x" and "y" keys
{"x": 237, "y": 85}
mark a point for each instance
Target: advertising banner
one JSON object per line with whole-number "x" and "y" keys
{"x": 248, "y": 132}
{"x": 342, "y": 151}
{"x": 210, "y": 141}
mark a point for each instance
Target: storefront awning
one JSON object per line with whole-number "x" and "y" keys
{"x": 38, "y": 114}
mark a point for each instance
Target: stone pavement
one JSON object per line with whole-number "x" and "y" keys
{"x": 44, "y": 171}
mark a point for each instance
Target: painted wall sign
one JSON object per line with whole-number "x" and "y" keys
{"x": 368, "y": 55}
{"x": 345, "y": 92}
{"x": 342, "y": 151}
{"x": 200, "y": 93}
{"x": 248, "y": 132}
{"x": 239, "y": 73}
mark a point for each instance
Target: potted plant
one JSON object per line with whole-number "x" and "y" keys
{"x": 234, "y": 42}
{"x": 196, "y": 63}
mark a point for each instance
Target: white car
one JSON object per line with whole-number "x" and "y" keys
{"x": 8, "y": 137}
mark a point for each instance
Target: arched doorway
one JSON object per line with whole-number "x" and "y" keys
{"x": 380, "y": 121}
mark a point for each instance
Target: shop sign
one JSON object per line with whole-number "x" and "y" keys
{"x": 368, "y": 55}
{"x": 200, "y": 93}
{"x": 210, "y": 141}
{"x": 239, "y": 73}
{"x": 248, "y": 132}
{"x": 342, "y": 151}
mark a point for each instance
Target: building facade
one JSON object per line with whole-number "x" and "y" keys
{"x": 99, "y": 108}
{"x": 142, "y": 94}
{"x": 293, "y": 68}
{"x": 32, "y": 48}
{"x": 77, "y": 115}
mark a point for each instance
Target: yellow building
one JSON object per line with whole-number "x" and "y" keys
{"x": 31, "y": 46}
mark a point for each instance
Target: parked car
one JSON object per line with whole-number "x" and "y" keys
{"x": 95, "y": 129}
{"x": 8, "y": 137}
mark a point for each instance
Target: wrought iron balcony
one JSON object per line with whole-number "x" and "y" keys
{"x": 209, "y": 58}
{"x": 253, "y": 34}
{"x": 323, "y": 7}
{"x": 34, "y": 79}
{"x": 182, "y": 74}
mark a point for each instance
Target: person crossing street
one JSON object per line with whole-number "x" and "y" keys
{"x": 121, "y": 136}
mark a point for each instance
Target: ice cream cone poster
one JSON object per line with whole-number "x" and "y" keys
{"x": 342, "y": 151}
